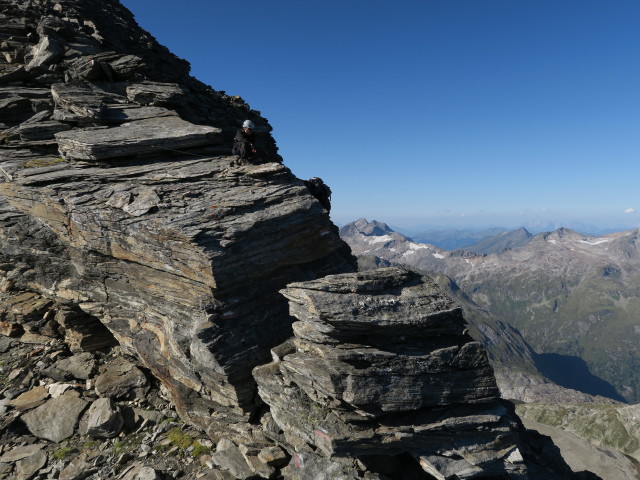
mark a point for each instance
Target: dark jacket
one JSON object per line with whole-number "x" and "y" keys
{"x": 244, "y": 137}
{"x": 243, "y": 144}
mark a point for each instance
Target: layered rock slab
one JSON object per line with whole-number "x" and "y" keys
{"x": 182, "y": 260}
{"x": 133, "y": 138}
{"x": 381, "y": 365}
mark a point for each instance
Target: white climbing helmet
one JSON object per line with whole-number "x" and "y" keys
{"x": 248, "y": 124}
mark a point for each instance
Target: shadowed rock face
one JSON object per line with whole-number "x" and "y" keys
{"x": 122, "y": 201}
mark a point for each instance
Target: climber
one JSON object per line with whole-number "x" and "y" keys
{"x": 243, "y": 146}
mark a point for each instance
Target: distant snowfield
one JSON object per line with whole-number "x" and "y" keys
{"x": 595, "y": 242}
{"x": 380, "y": 239}
{"x": 438, "y": 255}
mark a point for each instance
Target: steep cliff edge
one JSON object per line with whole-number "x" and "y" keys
{"x": 127, "y": 228}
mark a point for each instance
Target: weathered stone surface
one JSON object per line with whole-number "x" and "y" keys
{"x": 358, "y": 338}
{"x": 18, "y": 104}
{"x": 78, "y": 469}
{"x": 415, "y": 353}
{"x": 42, "y": 130}
{"x": 83, "y": 332}
{"x": 274, "y": 456}
{"x": 103, "y": 419}
{"x": 48, "y": 51}
{"x": 307, "y": 465}
{"x": 28, "y": 467}
{"x": 161, "y": 94}
{"x": 82, "y": 101}
{"x": 31, "y": 399}
{"x": 19, "y": 453}
{"x": 214, "y": 221}
{"x": 56, "y": 419}
{"x": 79, "y": 366}
{"x": 132, "y": 138}
{"x": 141, "y": 472}
{"x": 118, "y": 379}
{"x": 229, "y": 457}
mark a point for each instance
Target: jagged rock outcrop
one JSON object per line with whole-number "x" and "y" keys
{"x": 382, "y": 366}
{"x": 121, "y": 204}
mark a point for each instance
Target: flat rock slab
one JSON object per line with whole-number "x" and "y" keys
{"x": 56, "y": 419}
{"x": 19, "y": 453}
{"x": 142, "y": 136}
{"x": 31, "y": 399}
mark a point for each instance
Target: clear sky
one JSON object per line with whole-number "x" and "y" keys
{"x": 434, "y": 112}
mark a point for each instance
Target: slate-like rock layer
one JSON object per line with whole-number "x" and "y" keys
{"x": 121, "y": 206}
{"x": 382, "y": 365}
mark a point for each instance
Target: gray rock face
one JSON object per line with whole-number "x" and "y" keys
{"x": 79, "y": 366}
{"x": 56, "y": 419}
{"x": 383, "y": 366}
{"x": 142, "y": 136}
{"x": 380, "y": 352}
{"x": 118, "y": 379}
{"x": 179, "y": 254}
{"x": 103, "y": 419}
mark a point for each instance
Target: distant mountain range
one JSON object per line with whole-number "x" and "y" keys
{"x": 456, "y": 238}
{"x": 574, "y": 298}
{"x": 453, "y": 239}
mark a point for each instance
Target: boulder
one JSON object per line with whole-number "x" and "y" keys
{"x": 103, "y": 419}
{"x": 49, "y": 50}
{"x": 29, "y": 466}
{"x": 57, "y": 418}
{"x": 19, "y": 453}
{"x": 80, "y": 366}
{"x": 118, "y": 379}
{"x": 229, "y": 457}
{"x": 384, "y": 366}
{"x": 79, "y": 468}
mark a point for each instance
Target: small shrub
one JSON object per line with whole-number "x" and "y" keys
{"x": 179, "y": 439}
{"x": 62, "y": 453}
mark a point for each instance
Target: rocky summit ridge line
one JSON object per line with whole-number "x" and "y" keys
{"x": 125, "y": 220}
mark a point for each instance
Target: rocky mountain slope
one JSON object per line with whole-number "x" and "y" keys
{"x": 502, "y": 241}
{"x": 141, "y": 269}
{"x": 573, "y": 298}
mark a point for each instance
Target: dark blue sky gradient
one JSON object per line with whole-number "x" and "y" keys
{"x": 448, "y": 112}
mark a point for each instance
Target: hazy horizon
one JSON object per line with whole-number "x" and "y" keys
{"x": 417, "y": 225}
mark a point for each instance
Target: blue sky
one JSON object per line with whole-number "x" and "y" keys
{"x": 435, "y": 112}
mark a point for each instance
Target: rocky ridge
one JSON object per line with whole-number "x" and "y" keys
{"x": 141, "y": 259}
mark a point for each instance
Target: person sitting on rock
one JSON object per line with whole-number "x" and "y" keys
{"x": 243, "y": 146}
